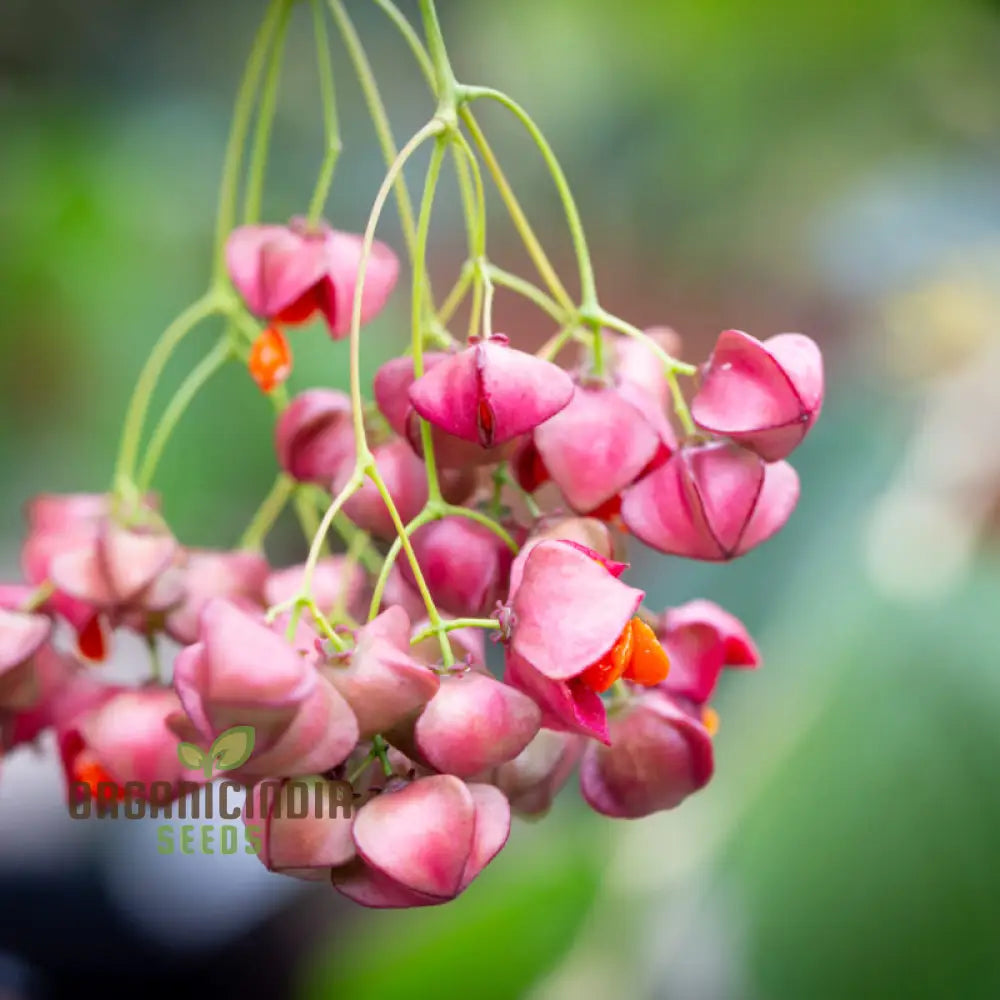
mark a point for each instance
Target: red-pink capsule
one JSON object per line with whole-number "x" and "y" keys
{"x": 289, "y": 273}
{"x": 490, "y": 393}
{"x": 314, "y": 436}
{"x": 657, "y": 755}
{"x": 473, "y": 723}
{"x": 597, "y": 445}
{"x": 765, "y": 395}
{"x": 701, "y": 640}
{"x": 422, "y": 843}
{"x": 712, "y": 502}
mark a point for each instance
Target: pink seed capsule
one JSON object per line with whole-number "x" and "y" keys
{"x": 765, "y": 395}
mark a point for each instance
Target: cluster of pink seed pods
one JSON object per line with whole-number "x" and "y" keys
{"x": 522, "y": 484}
{"x": 591, "y": 676}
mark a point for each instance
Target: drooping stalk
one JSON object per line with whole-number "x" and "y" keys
{"x": 680, "y": 404}
{"x": 551, "y": 348}
{"x": 411, "y": 38}
{"x": 474, "y": 206}
{"x": 253, "y": 196}
{"x": 364, "y": 462}
{"x": 471, "y": 514}
{"x": 588, "y": 289}
{"x": 267, "y": 513}
{"x": 331, "y": 123}
{"x": 242, "y": 112}
{"x": 433, "y": 615}
{"x": 468, "y": 198}
{"x": 524, "y": 229}
{"x": 350, "y": 488}
{"x": 216, "y": 300}
{"x": 189, "y": 388}
{"x": 428, "y": 131}
{"x": 456, "y": 623}
{"x": 527, "y": 290}
{"x": 466, "y": 192}
{"x": 565, "y": 304}
{"x": 457, "y": 294}
{"x": 672, "y": 366}
{"x": 416, "y": 305}
{"x": 380, "y": 119}
{"x": 383, "y": 130}
{"x": 443, "y": 73}
{"x": 670, "y": 362}
{"x": 135, "y": 417}
{"x": 424, "y": 517}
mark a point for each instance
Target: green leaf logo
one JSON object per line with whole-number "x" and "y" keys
{"x": 231, "y": 749}
{"x": 190, "y": 756}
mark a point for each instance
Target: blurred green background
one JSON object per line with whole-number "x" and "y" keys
{"x": 829, "y": 168}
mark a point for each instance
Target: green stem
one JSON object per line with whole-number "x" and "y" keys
{"x": 304, "y": 508}
{"x": 350, "y": 533}
{"x": 527, "y": 290}
{"x": 485, "y": 520}
{"x": 254, "y": 193}
{"x": 417, "y": 302}
{"x": 431, "y": 512}
{"x": 429, "y": 130}
{"x": 352, "y": 557}
{"x": 328, "y": 630}
{"x": 447, "y": 656}
{"x": 362, "y": 767}
{"x": 331, "y": 124}
{"x": 473, "y": 191}
{"x": 365, "y": 463}
{"x": 476, "y": 308}
{"x": 242, "y": 113}
{"x": 376, "y": 108}
{"x": 309, "y": 518}
{"x": 551, "y": 348}
{"x": 189, "y": 388}
{"x": 412, "y": 39}
{"x": 620, "y": 696}
{"x": 381, "y": 750}
{"x": 350, "y": 488}
{"x": 358, "y": 541}
{"x": 38, "y": 596}
{"x": 249, "y": 329}
{"x": 503, "y": 476}
{"x": 588, "y": 290}
{"x": 597, "y": 348}
{"x": 672, "y": 367}
{"x": 452, "y": 624}
{"x": 496, "y": 500}
{"x": 487, "y": 303}
{"x": 443, "y": 74}
{"x": 135, "y": 417}
{"x": 456, "y": 295}
{"x": 531, "y": 243}
{"x": 475, "y": 213}
{"x": 467, "y": 196}
{"x": 423, "y": 59}
{"x": 680, "y": 404}
{"x": 268, "y": 513}
{"x": 437, "y": 337}
{"x": 424, "y": 517}
{"x": 607, "y": 319}
{"x": 155, "y": 664}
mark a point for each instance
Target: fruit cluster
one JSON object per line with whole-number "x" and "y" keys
{"x": 485, "y": 491}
